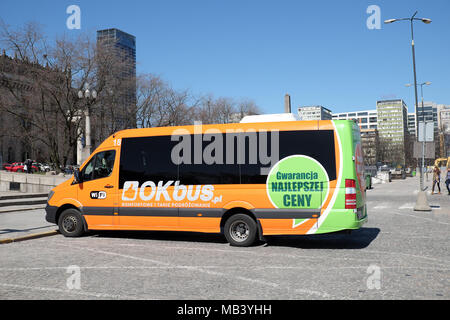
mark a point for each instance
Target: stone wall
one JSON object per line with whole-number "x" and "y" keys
{"x": 35, "y": 183}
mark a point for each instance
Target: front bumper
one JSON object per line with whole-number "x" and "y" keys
{"x": 50, "y": 215}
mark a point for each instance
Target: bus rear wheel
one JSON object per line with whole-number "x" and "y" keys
{"x": 240, "y": 230}
{"x": 70, "y": 223}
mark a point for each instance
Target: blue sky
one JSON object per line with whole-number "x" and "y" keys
{"x": 320, "y": 52}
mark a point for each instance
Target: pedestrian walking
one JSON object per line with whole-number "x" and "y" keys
{"x": 29, "y": 165}
{"x": 436, "y": 179}
{"x": 447, "y": 181}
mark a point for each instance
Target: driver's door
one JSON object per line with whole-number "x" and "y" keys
{"x": 98, "y": 190}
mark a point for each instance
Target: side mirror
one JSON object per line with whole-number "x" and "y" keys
{"x": 77, "y": 176}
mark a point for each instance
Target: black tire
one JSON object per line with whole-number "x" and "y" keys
{"x": 240, "y": 230}
{"x": 70, "y": 223}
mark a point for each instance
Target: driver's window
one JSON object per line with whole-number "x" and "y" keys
{"x": 100, "y": 166}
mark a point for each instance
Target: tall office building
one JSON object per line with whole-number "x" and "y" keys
{"x": 366, "y": 119}
{"x": 124, "y": 45}
{"x": 412, "y": 123}
{"x": 314, "y": 113}
{"x": 444, "y": 130}
{"x": 393, "y": 131}
{"x": 122, "y": 49}
{"x": 443, "y": 112}
{"x": 429, "y": 113}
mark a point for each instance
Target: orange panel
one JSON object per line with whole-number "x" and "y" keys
{"x": 199, "y": 224}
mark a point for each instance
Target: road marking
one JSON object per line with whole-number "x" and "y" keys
{"x": 428, "y": 219}
{"x": 194, "y": 268}
{"x": 264, "y": 254}
{"x": 57, "y": 290}
{"x": 443, "y": 268}
{"x": 255, "y": 252}
{"x": 407, "y": 206}
{"x": 410, "y": 255}
{"x": 427, "y": 192}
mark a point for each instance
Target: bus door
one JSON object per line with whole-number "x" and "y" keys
{"x": 98, "y": 190}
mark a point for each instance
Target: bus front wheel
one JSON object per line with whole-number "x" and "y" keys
{"x": 240, "y": 230}
{"x": 70, "y": 223}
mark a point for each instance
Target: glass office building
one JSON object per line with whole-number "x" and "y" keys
{"x": 123, "y": 47}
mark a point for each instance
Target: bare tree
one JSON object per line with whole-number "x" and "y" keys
{"x": 158, "y": 104}
{"x": 40, "y": 107}
{"x": 49, "y": 107}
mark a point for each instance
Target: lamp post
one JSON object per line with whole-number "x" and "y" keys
{"x": 90, "y": 97}
{"x": 423, "y": 129}
{"x": 422, "y": 201}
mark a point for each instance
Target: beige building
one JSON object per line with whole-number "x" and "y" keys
{"x": 369, "y": 144}
{"x": 366, "y": 119}
{"x": 444, "y": 130}
{"x": 314, "y": 113}
{"x": 393, "y": 131}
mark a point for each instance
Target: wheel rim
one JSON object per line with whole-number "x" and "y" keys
{"x": 239, "y": 231}
{"x": 69, "y": 224}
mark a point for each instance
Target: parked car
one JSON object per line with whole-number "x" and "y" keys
{"x": 44, "y": 167}
{"x": 5, "y": 166}
{"x": 20, "y": 168}
{"x": 11, "y": 165}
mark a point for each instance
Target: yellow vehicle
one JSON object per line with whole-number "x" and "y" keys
{"x": 442, "y": 162}
{"x": 244, "y": 180}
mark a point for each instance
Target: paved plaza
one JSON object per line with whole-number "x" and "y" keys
{"x": 398, "y": 254}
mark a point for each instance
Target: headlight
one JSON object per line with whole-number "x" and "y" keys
{"x": 50, "y": 195}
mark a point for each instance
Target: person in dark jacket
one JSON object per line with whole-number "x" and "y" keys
{"x": 29, "y": 164}
{"x": 447, "y": 181}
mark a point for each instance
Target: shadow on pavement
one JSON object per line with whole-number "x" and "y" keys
{"x": 358, "y": 239}
{"x": 162, "y": 236}
{"x": 6, "y": 231}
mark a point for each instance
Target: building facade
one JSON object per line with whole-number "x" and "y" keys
{"x": 444, "y": 130}
{"x": 366, "y": 119}
{"x": 412, "y": 124}
{"x": 393, "y": 132}
{"x": 429, "y": 113}
{"x": 19, "y": 109}
{"x": 314, "y": 113}
{"x": 121, "y": 48}
{"x": 369, "y": 145}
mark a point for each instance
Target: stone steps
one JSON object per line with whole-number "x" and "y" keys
{"x": 23, "y": 201}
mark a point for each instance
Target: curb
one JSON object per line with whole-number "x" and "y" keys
{"x": 18, "y": 209}
{"x": 30, "y": 237}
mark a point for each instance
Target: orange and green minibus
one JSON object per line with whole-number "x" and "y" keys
{"x": 244, "y": 180}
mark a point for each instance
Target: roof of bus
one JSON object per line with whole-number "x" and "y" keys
{"x": 217, "y": 128}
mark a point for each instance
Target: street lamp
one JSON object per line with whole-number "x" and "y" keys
{"x": 422, "y": 201}
{"x": 423, "y": 129}
{"x": 90, "y": 96}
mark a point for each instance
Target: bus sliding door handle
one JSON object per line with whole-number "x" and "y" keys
{"x": 108, "y": 186}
